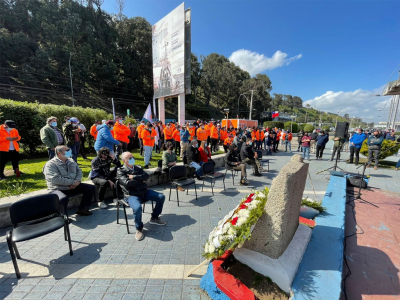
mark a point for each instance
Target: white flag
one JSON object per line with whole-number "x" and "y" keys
{"x": 147, "y": 114}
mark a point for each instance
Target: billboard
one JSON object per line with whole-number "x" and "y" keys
{"x": 168, "y": 44}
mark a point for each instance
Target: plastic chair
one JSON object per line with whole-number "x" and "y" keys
{"x": 209, "y": 172}
{"x": 160, "y": 172}
{"x": 177, "y": 175}
{"x": 34, "y": 217}
{"x": 230, "y": 168}
{"x": 261, "y": 160}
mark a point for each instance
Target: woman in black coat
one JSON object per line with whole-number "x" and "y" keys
{"x": 232, "y": 162}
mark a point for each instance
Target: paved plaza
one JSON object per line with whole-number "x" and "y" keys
{"x": 110, "y": 264}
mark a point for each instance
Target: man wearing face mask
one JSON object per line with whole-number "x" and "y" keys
{"x": 51, "y": 136}
{"x": 71, "y": 134}
{"x": 9, "y": 147}
{"x": 249, "y": 156}
{"x": 201, "y": 134}
{"x": 148, "y": 136}
{"x": 374, "y": 148}
{"x": 63, "y": 174}
{"x": 133, "y": 184}
{"x": 356, "y": 142}
{"x": 105, "y": 138}
{"x": 102, "y": 174}
{"x": 192, "y": 155}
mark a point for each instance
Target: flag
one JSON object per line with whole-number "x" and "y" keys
{"x": 275, "y": 114}
{"x": 147, "y": 114}
{"x": 154, "y": 108}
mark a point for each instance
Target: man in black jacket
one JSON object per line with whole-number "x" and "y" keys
{"x": 132, "y": 180}
{"x": 249, "y": 157}
{"x": 192, "y": 156}
{"x": 102, "y": 174}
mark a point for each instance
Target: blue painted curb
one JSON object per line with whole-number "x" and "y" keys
{"x": 320, "y": 272}
{"x": 207, "y": 283}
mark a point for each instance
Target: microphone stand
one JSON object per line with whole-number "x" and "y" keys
{"x": 335, "y": 166}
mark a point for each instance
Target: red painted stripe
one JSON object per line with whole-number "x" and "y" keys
{"x": 228, "y": 284}
{"x": 307, "y": 222}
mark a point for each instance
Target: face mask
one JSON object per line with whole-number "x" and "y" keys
{"x": 68, "y": 154}
{"x": 74, "y": 125}
{"x": 54, "y": 124}
{"x": 112, "y": 127}
{"x": 250, "y": 143}
{"x": 68, "y": 121}
{"x": 205, "y": 145}
{"x": 120, "y": 121}
{"x": 320, "y": 134}
{"x": 131, "y": 161}
{"x": 202, "y": 127}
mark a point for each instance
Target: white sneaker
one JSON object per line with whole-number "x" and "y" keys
{"x": 103, "y": 205}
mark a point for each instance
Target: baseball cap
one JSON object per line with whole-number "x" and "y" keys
{"x": 10, "y": 123}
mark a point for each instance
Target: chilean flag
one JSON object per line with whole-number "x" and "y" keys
{"x": 275, "y": 114}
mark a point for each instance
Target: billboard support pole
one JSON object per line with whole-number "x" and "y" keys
{"x": 161, "y": 109}
{"x": 181, "y": 109}
{"x": 251, "y": 104}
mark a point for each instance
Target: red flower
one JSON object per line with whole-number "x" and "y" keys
{"x": 234, "y": 220}
{"x": 251, "y": 195}
{"x": 248, "y": 200}
{"x": 243, "y": 206}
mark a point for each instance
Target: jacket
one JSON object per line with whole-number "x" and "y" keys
{"x": 93, "y": 131}
{"x": 299, "y": 137}
{"x": 357, "y": 140}
{"x": 176, "y": 135}
{"x": 148, "y": 137}
{"x": 322, "y": 139}
{"x": 4, "y": 143}
{"x": 202, "y": 134}
{"x": 192, "y": 132}
{"x": 214, "y": 132}
{"x": 132, "y": 187}
{"x": 168, "y": 158}
{"x": 104, "y": 138}
{"x": 168, "y": 132}
{"x": 306, "y": 140}
{"x": 49, "y": 137}
{"x": 314, "y": 136}
{"x": 203, "y": 155}
{"x": 246, "y": 151}
{"x": 228, "y": 141}
{"x": 374, "y": 143}
{"x": 101, "y": 168}
{"x": 139, "y": 130}
{"x": 192, "y": 155}
{"x": 69, "y": 132}
{"x": 231, "y": 159}
{"x": 390, "y": 137}
{"x": 185, "y": 135}
{"x": 223, "y": 135}
{"x": 121, "y": 132}
{"x": 59, "y": 175}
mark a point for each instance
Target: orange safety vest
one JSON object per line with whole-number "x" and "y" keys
{"x": 228, "y": 141}
{"x": 224, "y": 134}
{"x": 93, "y": 131}
{"x": 253, "y": 135}
{"x": 121, "y": 132}
{"x": 4, "y": 143}
{"x": 233, "y": 132}
{"x": 259, "y": 135}
{"x": 278, "y": 135}
{"x": 192, "y": 132}
{"x": 168, "y": 132}
{"x": 202, "y": 134}
{"x": 214, "y": 132}
{"x": 208, "y": 129}
{"x": 176, "y": 135}
{"x": 139, "y": 130}
{"x": 290, "y": 136}
{"x": 148, "y": 138}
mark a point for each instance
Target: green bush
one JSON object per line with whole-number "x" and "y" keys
{"x": 308, "y": 128}
{"x": 301, "y": 126}
{"x": 273, "y": 124}
{"x": 31, "y": 117}
{"x": 326, "y": 128}
{"x": 295, "y": 127}
{"x": 386, "y": 149}
{"x": 129, "y": 120}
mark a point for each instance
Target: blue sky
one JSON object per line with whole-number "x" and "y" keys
{"x": 335, "y": 54}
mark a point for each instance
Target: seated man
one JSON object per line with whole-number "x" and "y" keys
{"x": 63, "y": 174}
{"x": 192, "y": 155}
{"x": 249, "y": 157}
{"x": 132, "y": 180}
{"x": 102, "y": 174}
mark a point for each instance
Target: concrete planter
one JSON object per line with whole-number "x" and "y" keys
{"x": 308, "y": 212}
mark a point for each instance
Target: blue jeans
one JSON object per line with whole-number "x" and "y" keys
{"x": 51, "y": 153}
{"x": 75, "y": 150}
{"x": 286, "y": 146}
{"x": 147, "y": 154}
{"x": 258, "y": 145}
{"x": 398, "y": 164}
{"x": 306, "y": 152}
{"x": 135, "y": 202}
{"x": 198, "y": 171}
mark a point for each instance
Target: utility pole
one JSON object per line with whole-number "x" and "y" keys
{"x": 394, "y": 113}
{"x": 70, "y": 77}
{"x": 251, "y": 103}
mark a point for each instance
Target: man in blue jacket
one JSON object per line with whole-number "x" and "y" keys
{"x": 185, "y": 135}
{"x": 356, "y": 142}
{"x": 105, "y": 138}
{"x": 322, "y": 139}
{"x": 374, "y": 148}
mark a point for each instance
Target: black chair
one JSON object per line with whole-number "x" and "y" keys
{"x": 190, "y": 169}
{"x": 177, "y": 175}
{"x": 34, "y": 217}
{"x": 160, "y": 172}
{"x": 122, "y": 201}
{"x": 209, "y": 172}
{"x": 261, "y": 160}
{"x": 234, "y": 172}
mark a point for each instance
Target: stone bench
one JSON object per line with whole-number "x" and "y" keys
{"x": 75, "y": 200}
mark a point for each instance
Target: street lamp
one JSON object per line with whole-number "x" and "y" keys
{"x": 238, "y": 103}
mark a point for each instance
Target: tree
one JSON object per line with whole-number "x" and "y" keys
{"x": 277, "y": 100}
{"x": 308, "y": 105}
{"x": 346, "y": 116}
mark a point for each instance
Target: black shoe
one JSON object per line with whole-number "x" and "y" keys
{"x": 242, "y": 182}
{"x": 258, "y": 174}
{"x": 198, "y": 177}
{"x": 146, "y": 166}
{"x": 331, "y": 159}
{"x": 349, "y": 162}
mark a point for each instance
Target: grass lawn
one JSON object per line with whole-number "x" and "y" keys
{"x": 382, "y": 163}
{"x": 34, "y": 179}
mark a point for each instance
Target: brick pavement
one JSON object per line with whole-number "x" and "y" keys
{"x": 110, "y": 264}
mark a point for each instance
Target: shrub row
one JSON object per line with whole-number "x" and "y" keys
{"x": 31, "y": 117}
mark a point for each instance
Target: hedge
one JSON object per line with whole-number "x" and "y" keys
{"x": 326, "y": 128}
{"x": 385, "y": 152}
{"x": 273, "y": 124}
{"x": 31, "y": 117}
{"x": 308, "y": 128}
{"x": 295, "y": 127}
{"x": 301, "y": 126}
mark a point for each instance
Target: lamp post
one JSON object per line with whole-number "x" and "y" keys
{"x": 238, "y": 103}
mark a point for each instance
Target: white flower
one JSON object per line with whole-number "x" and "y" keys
{"x": 211, "y": 248}
{"x": 231, "y": 231}
{"x": 261, "y": 195}
{"x": 226, "y": 227}
{"x": 244, "y": 213}
{"x": 241, "y": 221}
{"x": 206, "y": 248}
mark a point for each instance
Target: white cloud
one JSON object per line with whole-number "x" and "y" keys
{"x": 255, "y": 63}
{"x": 358, "y": 103}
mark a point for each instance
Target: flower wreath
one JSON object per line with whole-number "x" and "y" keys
{"x": 236, "y": 227}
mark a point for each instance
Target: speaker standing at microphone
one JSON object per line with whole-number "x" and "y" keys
{"x": 356, "y": 142}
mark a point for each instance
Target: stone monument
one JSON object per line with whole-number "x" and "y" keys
{"x": 278, "y": 241}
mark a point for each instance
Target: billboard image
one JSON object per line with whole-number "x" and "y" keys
{"x": 168, "y": 42}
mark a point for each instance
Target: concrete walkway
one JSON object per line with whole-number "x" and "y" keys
{"x": 110, "y": 264}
